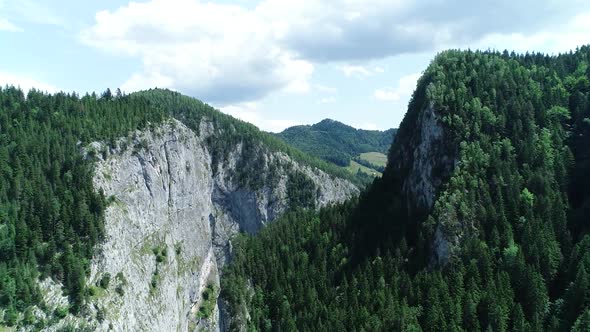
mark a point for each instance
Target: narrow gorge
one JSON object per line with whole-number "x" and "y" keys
{"x": 169, "y": 222}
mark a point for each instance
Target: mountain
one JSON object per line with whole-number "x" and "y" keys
{"x": 336, "y": 142}
{"x": 117, "y": 212}
{"x": 479, "y": 221}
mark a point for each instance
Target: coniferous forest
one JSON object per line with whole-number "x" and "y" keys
{"x": 288, "y": 165}
{"x": 51, "y": 217}
{"x": 512, "y": 212}
{"x": 515, "y": 208}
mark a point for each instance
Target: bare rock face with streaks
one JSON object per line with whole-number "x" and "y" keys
{"x": 425, "y": 161}
{"x": 169, "y": 223}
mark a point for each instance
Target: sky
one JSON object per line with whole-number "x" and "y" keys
{"x": 274, "y": 63}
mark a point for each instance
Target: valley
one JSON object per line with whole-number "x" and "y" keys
{"x": 468, "y": 229}
{"x": 153, "y": 211}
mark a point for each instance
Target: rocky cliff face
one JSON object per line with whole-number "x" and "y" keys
{"x": 169, "y": 222}
{"x": 424, "y": 161}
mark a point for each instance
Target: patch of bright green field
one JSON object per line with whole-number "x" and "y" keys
{"x": 375, "y": 158}
{"x": 354, "y": 167}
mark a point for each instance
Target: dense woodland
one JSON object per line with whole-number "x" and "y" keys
{"x": 336, "y": 142}
{"x": 50, "y": 215}
{"x": 517, "y": 205}
{"x": 51, "y": 218}
{"x": 517, "y": 202}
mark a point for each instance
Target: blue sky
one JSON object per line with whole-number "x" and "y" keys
{"x": 274, "y": 63}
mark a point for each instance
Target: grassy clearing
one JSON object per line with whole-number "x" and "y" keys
{"x": 354, "y": 167}
{"x": 375, "y": 158}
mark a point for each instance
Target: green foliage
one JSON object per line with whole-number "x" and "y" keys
{"x": 228, "y": 134}
{"x": 178, "y": 248}
{"x": 50, "y": 215}
{"x": 369, "y": 164}
{"x": 208, "y": 302}
{"x": 301, "y": 191}
{"x": 375, "y": 158}
{"x": 11, "y": 316}
{"x": 155, "y": 281}
{"x": 161, "y": 253}
{"x": 105, "y": 280}
{"x": 61, "y": 312}
{"x": 344, "y": 146}
{"x": 120, "y": 290}
{"x": 336, "y": 142}
{"x": 363, "y": 171}
{"x": 559, "y": 113}
{"x": 512, "y": 212}
{"x": 527, "y": 198}
{"x": 583, "y": 322}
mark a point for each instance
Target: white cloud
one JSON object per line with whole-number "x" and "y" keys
{"x": 354, "y": 70}
{"x": 220, "y": 53}
{"x": 25, "y": 83}
{"x": 328, "y": 100}
{"x": 325, "y": 88}
{"x": 359, "y": 71}
{"x": 232, "y": 53}
{"x": 575, "y": 32}
{"x": 249, "y": 112}
{"x": 348, "y": 30}
{"x": 6, "y": 25}
{"x": 404, "y": 89}
{"x": 139, "y": 81}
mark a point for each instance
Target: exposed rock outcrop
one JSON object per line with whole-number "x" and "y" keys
{"x": 424, "y": 161}
{"x": 169, "y": 223}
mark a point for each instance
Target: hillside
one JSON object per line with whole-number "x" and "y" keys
{"x": 478, "y": 223}
{"x": 116, "y": 211}
{"x": 336, "y": 142}
{"x": 191, "y": 111}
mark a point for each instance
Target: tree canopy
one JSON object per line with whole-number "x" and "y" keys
{"x": 513, "y": 212}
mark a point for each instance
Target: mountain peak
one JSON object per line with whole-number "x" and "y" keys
{"x": 335, "y": 141}
{"x": 328, "y": 121}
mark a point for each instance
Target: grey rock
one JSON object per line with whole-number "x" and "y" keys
{"x": 426, "y": 161}
{"x": 166, "y": 201}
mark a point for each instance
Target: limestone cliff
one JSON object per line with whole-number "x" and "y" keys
{"x": 169, "y": 224}
{"x": 423, "y": 158}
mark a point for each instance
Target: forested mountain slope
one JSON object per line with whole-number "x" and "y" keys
{"x": 480, "y": 221}
{"x": 128, "y": 202}
{"x": 336, "y": 142}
